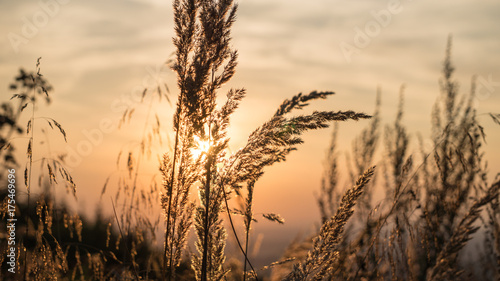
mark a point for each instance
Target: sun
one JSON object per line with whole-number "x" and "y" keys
{"x": 200, "y": 147}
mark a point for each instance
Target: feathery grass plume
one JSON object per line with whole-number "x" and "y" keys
{"x": 196, "y": 105}
{"x": 320, "y": 261}
{"x": 216, "y": 19}
{"x": 445, "y": 267}
{"x": 456, "y": 167}
{"x": 202, "y": 42}
{"x": 274, "y": 217}
{"x": 396, "y": 170}
{"x": 276, "y": 138}
{"x": 30, "y": 86}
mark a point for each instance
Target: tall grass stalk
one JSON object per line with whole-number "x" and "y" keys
{"x": 204, "y": 62}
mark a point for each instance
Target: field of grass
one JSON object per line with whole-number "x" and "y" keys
{"x": 439, "y": 218}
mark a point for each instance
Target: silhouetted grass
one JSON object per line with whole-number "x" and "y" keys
{"x": 435, "y": 200}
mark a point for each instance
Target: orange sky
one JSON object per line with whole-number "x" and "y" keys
{"x": 99, "y": 54}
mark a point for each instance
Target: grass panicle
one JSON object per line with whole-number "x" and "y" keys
{"x": 321, "y": 259}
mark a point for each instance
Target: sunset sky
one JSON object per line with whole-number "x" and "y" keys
{"x": 99, "y": 54}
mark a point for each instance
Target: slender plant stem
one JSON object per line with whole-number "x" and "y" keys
{"x": 170, "y": 191}
{"x": 232, "y": 224}
{"x": 206, "y": 233}
{"x": 126, "y": 247}
{"x": 236, "y": 235}
{"x": 30, "y": 144}
{"x": 208, "y": 167}
{"x": 246, "y": 253}
{"x": 249, "y": 217}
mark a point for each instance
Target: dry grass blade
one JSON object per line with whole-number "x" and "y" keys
{"x": 103, "y": 190}
{"x": 495, "y": 117}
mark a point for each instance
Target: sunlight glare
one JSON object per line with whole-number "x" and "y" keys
{"x": 201, "y": 147}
